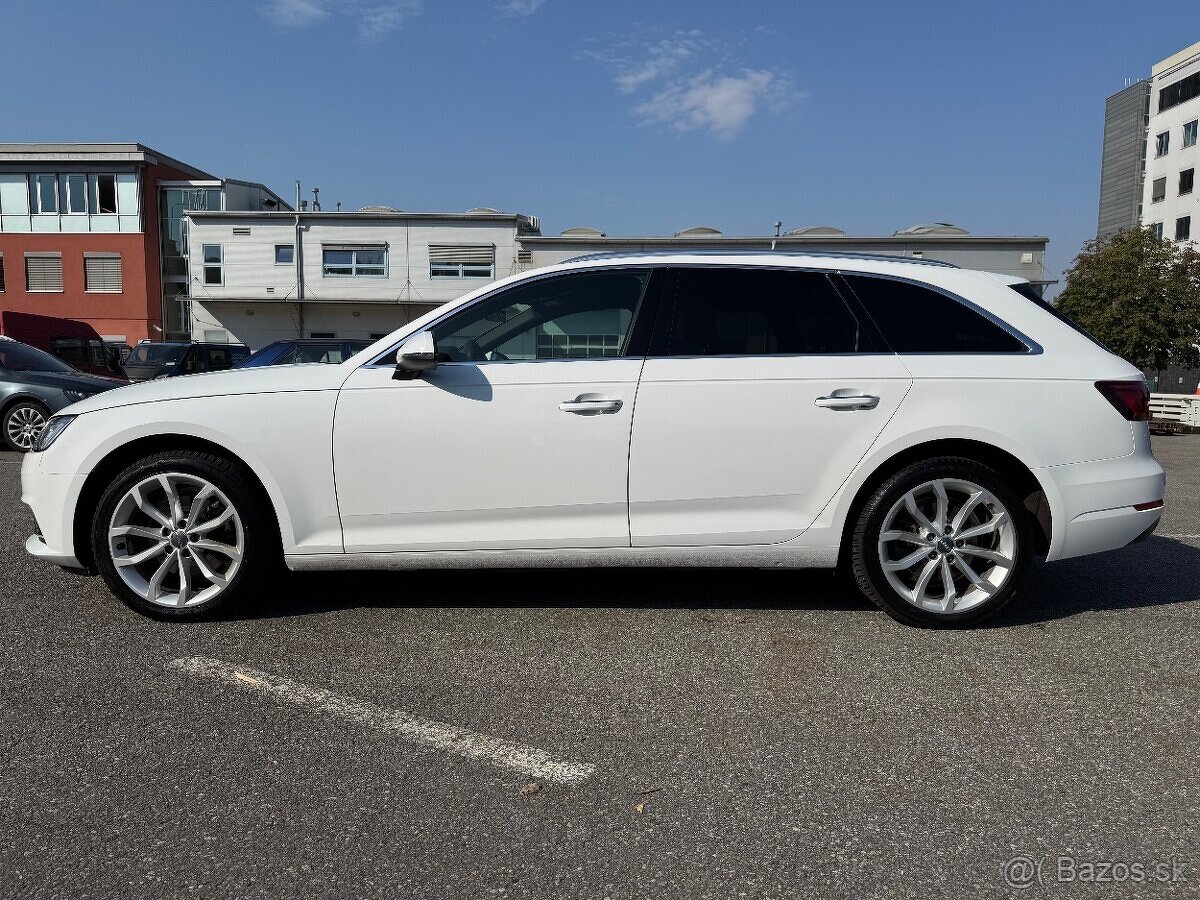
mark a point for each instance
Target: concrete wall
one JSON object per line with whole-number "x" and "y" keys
{"x": 257, "y": 301}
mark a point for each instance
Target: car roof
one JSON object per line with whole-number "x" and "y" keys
{"x": 788, "y": 257}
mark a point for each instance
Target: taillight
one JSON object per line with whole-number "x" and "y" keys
{"x": 1130, "y": 398}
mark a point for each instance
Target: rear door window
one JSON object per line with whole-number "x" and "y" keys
{"x": 917, "y": 319}
{"x": 761, "y": 312}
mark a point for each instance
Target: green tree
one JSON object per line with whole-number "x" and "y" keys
{"x": 1140, "y": 295}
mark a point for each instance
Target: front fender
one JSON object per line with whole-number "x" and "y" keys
{"x": 285, "y": 439}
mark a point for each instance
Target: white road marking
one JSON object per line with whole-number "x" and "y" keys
{"x": 1179, "y": 537}
{"x": 427, "y": 732}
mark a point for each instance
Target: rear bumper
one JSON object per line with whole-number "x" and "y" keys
{"x": 1093, "y": 504}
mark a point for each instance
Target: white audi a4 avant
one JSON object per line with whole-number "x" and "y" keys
{"x": 928, "y": 429}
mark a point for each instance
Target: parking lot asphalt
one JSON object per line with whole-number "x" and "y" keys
{"x": 731, "y": 733}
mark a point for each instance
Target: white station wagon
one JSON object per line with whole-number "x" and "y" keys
{"x": 928, "y": 429}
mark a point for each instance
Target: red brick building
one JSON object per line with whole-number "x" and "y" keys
{"x": 93, "y": 232}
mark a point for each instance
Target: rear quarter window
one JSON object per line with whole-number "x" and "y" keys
{"x": 917, "y": 319}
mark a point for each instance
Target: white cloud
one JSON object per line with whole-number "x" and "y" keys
{"x": 684, "y": 82}
{"x": 661, "y": 59}
{"x": 295, "y": 13}
{"x": 719, "y": 104}
{"x": 519, "y": 7}
{"x": 375, "y": 20}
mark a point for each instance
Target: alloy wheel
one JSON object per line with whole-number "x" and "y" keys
{"x": 24, "y": 425}
{"x": 176, "y": 540}
{"x": 947, "y": 546}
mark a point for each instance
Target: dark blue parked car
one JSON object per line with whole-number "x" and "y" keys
{"x": 309, "y": 350}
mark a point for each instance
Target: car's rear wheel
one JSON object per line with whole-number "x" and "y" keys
{"x": 180, "y": 534}
{"x": 23, "y": 422}
{"x": 942, "y": 543}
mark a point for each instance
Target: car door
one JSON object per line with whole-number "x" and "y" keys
{"x": 764, "y": 392}
{"x": 518, "y": 439}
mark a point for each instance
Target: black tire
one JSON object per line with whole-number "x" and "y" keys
{"x": 11, "y": 418}
{"x": 866, "y": 566}
{"x": 261, "y": 553}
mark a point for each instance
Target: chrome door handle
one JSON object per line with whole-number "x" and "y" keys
{"x": 854, "y": 401}
{"x": 590, "y": 407}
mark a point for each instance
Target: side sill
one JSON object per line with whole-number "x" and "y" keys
{"x": 651, "y": 557}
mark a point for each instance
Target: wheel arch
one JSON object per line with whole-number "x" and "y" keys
{"x": 1033, "y": 494}
{"x": 120, "y": 457}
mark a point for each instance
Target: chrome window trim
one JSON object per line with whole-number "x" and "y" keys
{"x": 1032, "y": 347}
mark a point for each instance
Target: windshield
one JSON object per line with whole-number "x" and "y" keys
{"x": 18, "y": 357}
{"x": 156, "y": 354}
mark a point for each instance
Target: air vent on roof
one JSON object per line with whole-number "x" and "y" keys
{"x": 817, "y": 230}
{"x": 698, "y": 231}
{"x": 378, "y": 209}
{"x": 933, "y": 228}
{"x": 483, "y": 211}
{"x": 241, "y": 229}
{"x": 583, "y": 231}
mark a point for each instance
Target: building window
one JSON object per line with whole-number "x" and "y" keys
{"x": 102, "y": 274}
{"x": 1162, "y": 143}
{"x": 354, "y": 262}
{"x": 1156, "y": 230}
{"x": 76, "y": 194}
{"x": 375, "y": 335}
{"x": 1186, "y": 179}
{"x": 104, "y": 196}
{"x": 285, "y": 254}
{"x": 1179, "y": 92}
{"x": 43, "y": 195}
{"x": 462, "y": 260}
{"x": 43, "y": 273}
{"x": 1, "y": 274}
{"x": 1183, "y": 228}
{"x": 1158, "y": 190}
{"x": 214, "y": 264}
{"x": 1189, "y": 133}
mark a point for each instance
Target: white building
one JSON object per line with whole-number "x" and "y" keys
{"x": 259, "y": 277}
{"x": 1169, "y": 201}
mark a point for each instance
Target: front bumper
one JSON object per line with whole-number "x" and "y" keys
{"x": 52, "y": 500}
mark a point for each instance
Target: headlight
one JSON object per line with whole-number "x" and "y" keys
{"x": 50, "y": 433}
{"x": 75, "y": 396}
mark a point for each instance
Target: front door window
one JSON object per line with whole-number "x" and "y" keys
{"x": 582, "y": 316}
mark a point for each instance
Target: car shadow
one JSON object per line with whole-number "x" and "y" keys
{"x": 1157, "y": 572}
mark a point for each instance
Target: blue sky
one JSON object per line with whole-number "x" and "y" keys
{"x": 635, "y": 117}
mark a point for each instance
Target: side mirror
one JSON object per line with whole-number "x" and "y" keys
{"x": 416, "y": 355}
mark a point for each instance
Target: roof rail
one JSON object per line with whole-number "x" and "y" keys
{"x": 797, "y": 254}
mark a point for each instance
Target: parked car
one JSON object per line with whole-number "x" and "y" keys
{"x": 75, "y": 343}
{"x": 152, "y": 359}
{"x": 310, "y": 350}
{"x": 33, "y": 386}
{"x": 928, "y": 429}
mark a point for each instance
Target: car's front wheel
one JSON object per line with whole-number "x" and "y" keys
{"x": 179, "y": 534}
{"x": 23, "y": 422}
{"x": 942, "y": 543}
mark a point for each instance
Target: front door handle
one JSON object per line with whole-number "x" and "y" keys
{"x": 590, "y": 407}
{"x": 850, "y": 401}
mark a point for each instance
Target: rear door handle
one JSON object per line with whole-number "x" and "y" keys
{"x": 581, "y": 407}
{"x": 852, "y": 401}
